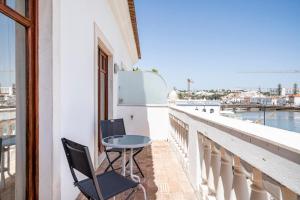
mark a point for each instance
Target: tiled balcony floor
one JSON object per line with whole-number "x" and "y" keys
{"x": 164, "y": 176}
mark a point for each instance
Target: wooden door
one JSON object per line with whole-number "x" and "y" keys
{"x": 102, "y": 91}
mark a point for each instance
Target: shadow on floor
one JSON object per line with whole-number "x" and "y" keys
{"x": 164, "y": 176}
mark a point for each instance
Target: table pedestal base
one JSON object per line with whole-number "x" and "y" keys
{"x": 132, "y": 176}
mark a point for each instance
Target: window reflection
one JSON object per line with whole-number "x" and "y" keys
{"x": 12, "y": 109}
{"x": 18, "y": 5}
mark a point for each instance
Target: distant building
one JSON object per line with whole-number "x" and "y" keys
{"x": 262, "y": 100}
{"x": 283, "y": 92}
{"x": 6, "y": 90}
{"x": 295, "y": 99}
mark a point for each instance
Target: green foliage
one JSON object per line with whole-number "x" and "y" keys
{"x": 279, "y": 89}
{"x": 136, "y": 69}
{"x": 154, "y": 70}
{"x": 180, "y": 95}
{"x": 295, "y": 89}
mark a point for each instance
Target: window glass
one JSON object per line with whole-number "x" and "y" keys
{"x": 18, "y": 5}
{"x": 12, "y": 109}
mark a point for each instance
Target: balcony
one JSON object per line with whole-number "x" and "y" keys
{"x": 198, "y": 155}
{"x": 164, "y": 177}
{"x": 231, "y": 159}
{"x": 207, "y": 156}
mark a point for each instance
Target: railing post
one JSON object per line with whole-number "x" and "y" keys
{"x": 226, "y": 176}
{"x": 186, "y": 129}
{"x": 257, "y": 190}
{"x": 205, "y": 165}
{"x": 287, "y": 194}
{"x": 240, "y": 185}
{"x": 201, "y": 153}
{"x": 214, "y": 170}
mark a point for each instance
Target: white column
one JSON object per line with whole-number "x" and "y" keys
{"x": 214, "y": 171}
{"x": 226, "y": 177}
{"x": 239, "y": 181}
{"x": 257, "y": 190}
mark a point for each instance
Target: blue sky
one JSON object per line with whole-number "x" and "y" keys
{"x": 7, "y": 51}
{"x": 211, "y": 41}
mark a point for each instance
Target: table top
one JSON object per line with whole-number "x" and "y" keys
{"x": 126, "y": 141}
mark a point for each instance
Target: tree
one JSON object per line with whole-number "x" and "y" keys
{"x": 180, "y": 95}
{"x": 137, "y": 69}
{"x": 279, "y": 89}
{"x": 154, "y": 70}
{"x": 295, "y": 89}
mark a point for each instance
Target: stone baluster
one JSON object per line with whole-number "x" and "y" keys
{"x": 177, "y": 134}
{"x": 287, "y": 194}
{"x": 257, "y": 189}
{"x": 214, "y": 169}
{"x": 186, "y": 131}
{"x": 201, "y": 153}
{"x": 240, "y": 185}
{"x": 205, "y": 165}
{"x": 181, "y": 136}
{"x": 226, "y": 177}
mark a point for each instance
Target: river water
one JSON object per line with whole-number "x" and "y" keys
{"x": 288, "y": 120}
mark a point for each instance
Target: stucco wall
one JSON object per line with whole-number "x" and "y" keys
{"x": 148, "y": 120}
{"x": 68, "y": 81}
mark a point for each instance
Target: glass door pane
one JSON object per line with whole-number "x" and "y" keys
{"x": 18, "y": 5}
{"x": 102, "y": 97}
{"x": 12, "y": 109}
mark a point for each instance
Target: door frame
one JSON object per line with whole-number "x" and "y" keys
{"x": 104, "y": 71}
{"x": 30, "y": 22}
{"x": 100, "y": 40}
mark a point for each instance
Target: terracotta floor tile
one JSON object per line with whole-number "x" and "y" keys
{"x": 164, "y": 176}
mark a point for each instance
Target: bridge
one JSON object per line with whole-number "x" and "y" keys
{"x": 251, "y": 107}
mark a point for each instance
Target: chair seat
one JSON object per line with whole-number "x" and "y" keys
{"x": 111, "y": 184}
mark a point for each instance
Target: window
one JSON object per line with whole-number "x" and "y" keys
{"x": 18, "y": 100}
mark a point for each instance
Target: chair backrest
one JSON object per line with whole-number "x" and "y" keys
{"x": 112, "y": 127}
{"x": 78, "y": 157}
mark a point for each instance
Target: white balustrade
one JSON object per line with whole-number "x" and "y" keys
{"x": 223, "y": 158}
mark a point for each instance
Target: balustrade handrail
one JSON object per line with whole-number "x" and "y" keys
{"x": 275, "y": 152}
{"x": 282, "y": 138}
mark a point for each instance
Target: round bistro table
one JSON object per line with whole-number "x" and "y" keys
{"x": 125, "y": 142}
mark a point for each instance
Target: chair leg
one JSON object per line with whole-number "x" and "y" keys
{"x": 136, "y": 153}
{"x": 144, "y": 191}
{"x": 110, "y": 163}
{"x": 130, "y": 194}
{"x": 138, "y": 167}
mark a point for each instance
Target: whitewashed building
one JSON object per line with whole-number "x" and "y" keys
{"x": 72, "y": 67}
{"x": 75, "y": 50}
{"x": 294, "y": 99}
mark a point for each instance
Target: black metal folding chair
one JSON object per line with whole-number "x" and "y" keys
{"x": 116, "y": 127}
{"x": 100, "y": 187}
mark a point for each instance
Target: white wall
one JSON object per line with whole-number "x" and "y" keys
{"x": 297, "y": 101}
{"x": 147, "y": 120}
{"x": 68, "y": 80}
